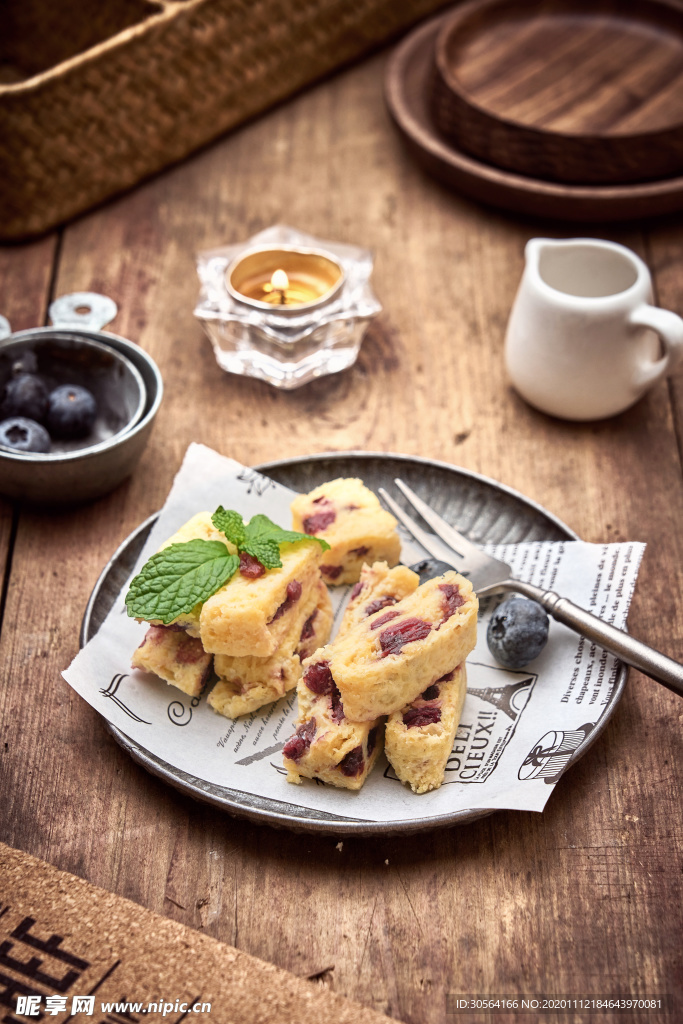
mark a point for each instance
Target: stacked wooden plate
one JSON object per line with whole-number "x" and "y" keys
{"x": 559, "y": 108}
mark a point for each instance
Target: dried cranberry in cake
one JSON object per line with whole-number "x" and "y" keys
{"x": 308, "y": 628}
{"x": 297, "y": 745}
{"x": 432, "y": 692}
{"x": 250, "y": 567}
{"x": 359, "y": 552}
{"x": 452, "y": 598}
{"x": 319, "y": 521}
{"x": 154, "y": 635}
{"x": 331, "y": 572}
{"x": 383, "y": 619}
{"x": 372, "y": 740}
{"x": 381, "y": 602}
{"x": 336, "y": 706}
{"x": 394, "y": 638}
{"x": 318, "y": 678}
{"x": 427, "y": 715}
{"x": 190, "y": 651}
{"x": 353, "y": 763}
{"x": 357, "y": 589}
{"x": 293, "y": 594}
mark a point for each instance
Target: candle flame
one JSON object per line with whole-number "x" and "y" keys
{"x": 279, "y": 280}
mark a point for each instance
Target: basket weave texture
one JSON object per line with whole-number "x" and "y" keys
{"x": 98, "y": 122}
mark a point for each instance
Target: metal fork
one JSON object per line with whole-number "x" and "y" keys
{"x": 489, "y": 576}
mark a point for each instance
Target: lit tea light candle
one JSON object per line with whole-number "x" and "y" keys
{"x": 293, "y": 280}
{"x": 278, "y": 287}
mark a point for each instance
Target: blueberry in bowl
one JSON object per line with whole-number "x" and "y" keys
{"x": 517, "y": 632}
{"x": 24, "y": 435}
{"x": 26, "y": 395}
{"x": 71, "y": 412}
{"x": 101, "y": 395}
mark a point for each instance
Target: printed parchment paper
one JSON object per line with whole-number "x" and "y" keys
{"x": 518, "y": 729}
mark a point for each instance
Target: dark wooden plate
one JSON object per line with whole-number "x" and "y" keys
{"x": 566, "y": 90}
{"x": 409, "y": 75}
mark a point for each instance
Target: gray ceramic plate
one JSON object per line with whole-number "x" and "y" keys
{"x": 483, "y": 509}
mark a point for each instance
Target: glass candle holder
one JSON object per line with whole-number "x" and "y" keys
{"x": 285, "y": 307}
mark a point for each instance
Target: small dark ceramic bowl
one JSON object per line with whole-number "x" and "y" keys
{"x": 127, "y": 387}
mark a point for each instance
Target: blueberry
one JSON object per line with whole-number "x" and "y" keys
{"x": 26, "y": 395}
{"x": 428, "y": 568}
{"x": 24, "y": 435}
{"x": 71, "y": 411}
{"x": 518, "y": 632}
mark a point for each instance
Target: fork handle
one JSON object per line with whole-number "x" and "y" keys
{"x": 634, "y": 652}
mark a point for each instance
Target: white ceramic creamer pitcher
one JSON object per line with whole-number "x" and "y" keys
{"x": 583, "y": 341}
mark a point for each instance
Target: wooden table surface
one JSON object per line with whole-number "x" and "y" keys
{"x": 582, "y": 899}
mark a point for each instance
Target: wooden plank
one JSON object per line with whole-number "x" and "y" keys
{"x": 665, "y": 252}
{"x": 584, "y": 897}
{"x": 25, "y": 273}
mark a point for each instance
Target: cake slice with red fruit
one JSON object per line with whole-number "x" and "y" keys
{"x": 419, "y": 738}
{"x": 326, "y": 744}
{"x": 347, "y": 515}
{"x": 248, "y": 683}
{"x": 255, "y": 609}
{"x": 179, "y": 659}
{"x": 379, "y": 587}
{"x": 386, "y": 661}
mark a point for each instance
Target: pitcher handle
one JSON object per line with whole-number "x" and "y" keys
{"x": 669, "y": 327}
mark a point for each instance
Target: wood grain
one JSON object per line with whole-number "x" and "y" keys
{"x": 583, "y": 898}
{"x": 606, "y": 108}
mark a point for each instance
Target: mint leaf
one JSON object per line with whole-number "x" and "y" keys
{"x": 262, "y": 529}
{"x": 173, "y": 581}
{"x": 231, "y": 524}
{"x": 267, "y": 552}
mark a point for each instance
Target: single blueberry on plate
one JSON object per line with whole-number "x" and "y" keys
{"x": 26, "y": 395}
{"x": 24, "y": 435}
{"x": 71, "y": 411}
{"x": 428, "y": 568}
{"x": 517, "y": 632}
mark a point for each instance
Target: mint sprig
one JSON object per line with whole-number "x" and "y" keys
{"x": 260, "y": 537}
{"x": 178, "y": 578}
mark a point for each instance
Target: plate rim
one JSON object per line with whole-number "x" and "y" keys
{"x": 321, "y": 822}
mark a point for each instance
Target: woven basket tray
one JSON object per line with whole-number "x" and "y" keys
{"x": 106, "y": 94}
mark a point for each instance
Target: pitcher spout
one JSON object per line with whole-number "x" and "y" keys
{"x": 536, "y": 247}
